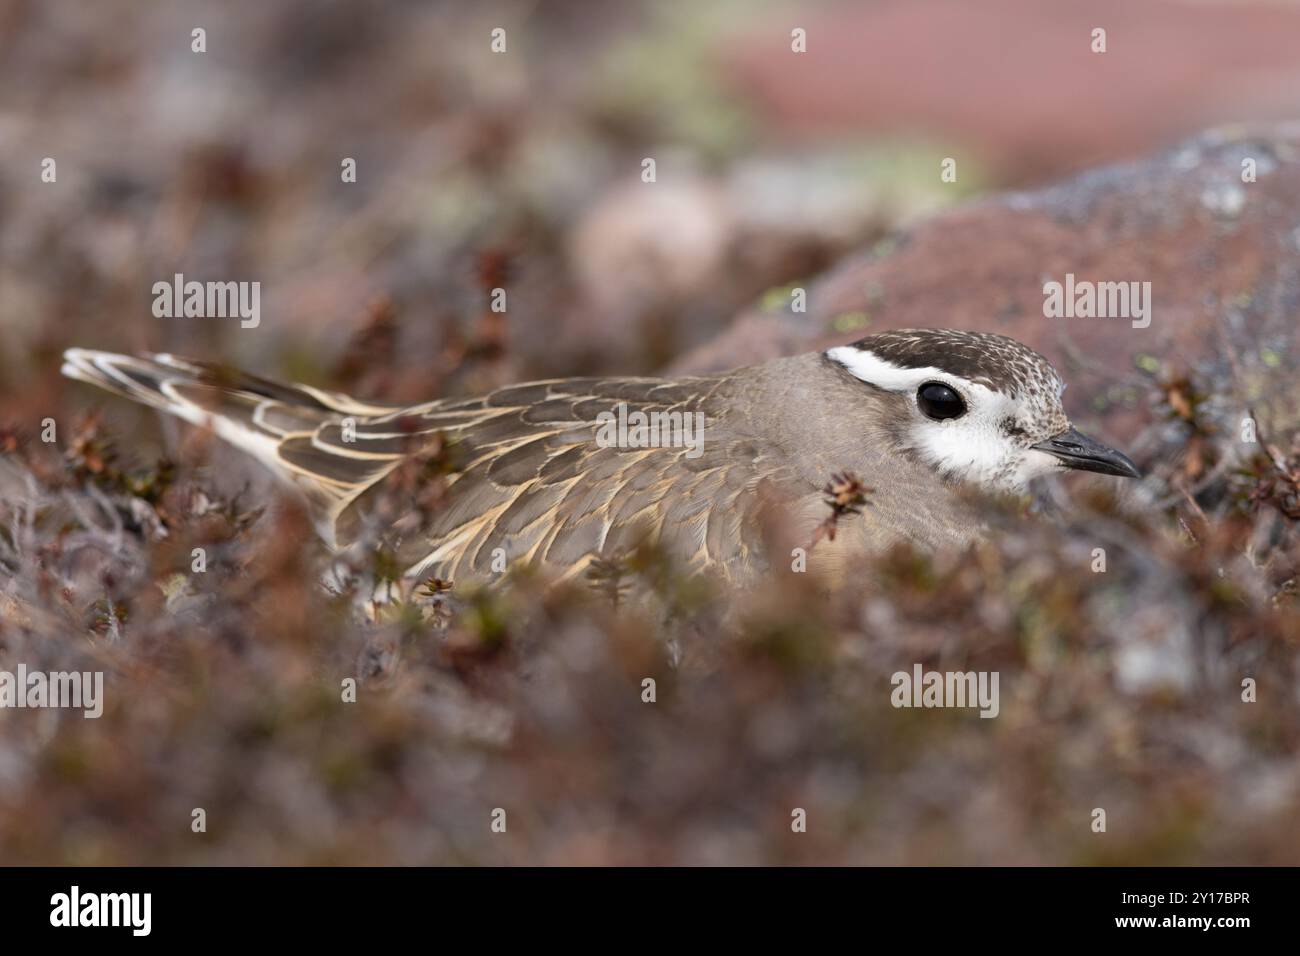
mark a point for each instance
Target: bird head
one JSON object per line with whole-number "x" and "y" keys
{"x": 976, "y": 407}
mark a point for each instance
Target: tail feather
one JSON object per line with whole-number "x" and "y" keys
{"x": 269, "y": 420}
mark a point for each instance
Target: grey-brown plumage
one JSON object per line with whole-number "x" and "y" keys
{"x": 533, "y": 479}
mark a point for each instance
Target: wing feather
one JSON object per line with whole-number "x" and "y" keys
{"x": 530, "y": 477}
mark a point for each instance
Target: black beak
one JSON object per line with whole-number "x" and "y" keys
{"x": 1085, "y": 454}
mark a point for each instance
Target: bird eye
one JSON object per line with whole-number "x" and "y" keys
{"x": 938, "y": 401}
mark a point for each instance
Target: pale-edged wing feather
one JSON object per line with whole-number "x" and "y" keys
{"x": 531, "y": 478}
{"x": 536, "y": 486}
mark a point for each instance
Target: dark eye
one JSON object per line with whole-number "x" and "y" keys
{"x": 939, "y": 401}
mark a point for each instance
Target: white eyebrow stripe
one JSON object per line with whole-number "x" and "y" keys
{"x": 876, "y": 371}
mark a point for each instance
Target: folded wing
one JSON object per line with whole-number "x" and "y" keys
{"x": 532, "y": 481}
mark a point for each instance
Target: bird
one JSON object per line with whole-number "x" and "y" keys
{"x": 565, "y": 472}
